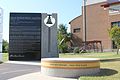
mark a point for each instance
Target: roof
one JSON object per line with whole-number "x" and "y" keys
{"x": 75, "y": 18}
{"x": 108, "y": 4}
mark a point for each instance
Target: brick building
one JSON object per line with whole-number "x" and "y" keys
{"x": 100, "y": 16}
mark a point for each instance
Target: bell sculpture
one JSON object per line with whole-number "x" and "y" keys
{"x": 49, "y": 20}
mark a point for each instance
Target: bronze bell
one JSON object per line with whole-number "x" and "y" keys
{"x": 49, "y": 20}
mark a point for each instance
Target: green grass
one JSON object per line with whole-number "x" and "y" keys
{"x": 110, "y": 70}
{"x": 5, "y": 57}
{"x": 107, "y": 55}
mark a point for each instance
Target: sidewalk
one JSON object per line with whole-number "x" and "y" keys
{"x": 38, "y": 76}
{"x": 37, "y": 63}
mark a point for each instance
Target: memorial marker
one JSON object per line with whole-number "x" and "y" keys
{"x": 30, "y": 38}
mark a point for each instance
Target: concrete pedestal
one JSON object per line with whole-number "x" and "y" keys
{"x": 70, "y": 67}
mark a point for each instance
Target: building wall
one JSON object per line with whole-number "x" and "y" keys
{"x": 98, "y": 23}
{"x": 77, "y": 36}
{"x": 114, "y": 18}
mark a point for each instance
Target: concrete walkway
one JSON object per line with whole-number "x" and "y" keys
{"x": 38, "y": 76}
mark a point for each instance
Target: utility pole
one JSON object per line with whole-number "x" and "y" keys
{"x": 1, "y": 25}
{"x": 84, "y": 23}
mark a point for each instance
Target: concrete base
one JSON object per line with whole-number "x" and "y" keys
{"x": 69, "y": 73}
{"x": 69, "y": 67}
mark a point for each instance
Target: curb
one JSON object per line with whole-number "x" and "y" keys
{"x": 111, "y": 59}
{"x": 25, "y": 62}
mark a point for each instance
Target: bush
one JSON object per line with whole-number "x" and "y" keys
{"x": 76, "y": 50}
{"x": 5, "y": 46}
{"x": 83, "y": 51}
{"x": 1, "y": 62}
{"x": 63, "y": 48}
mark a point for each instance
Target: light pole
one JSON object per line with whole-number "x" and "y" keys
{"x": 1, "y": 24}
{"x": 84, "y": 23}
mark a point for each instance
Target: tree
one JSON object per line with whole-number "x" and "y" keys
{"x": 63, "y": 38}
{"x": 5, "y": 46}
{"x": 114, "y": 33}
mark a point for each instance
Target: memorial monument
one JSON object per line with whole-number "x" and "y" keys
{"x": 32, "y": 36}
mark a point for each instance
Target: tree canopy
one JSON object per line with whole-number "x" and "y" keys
{"x": 114, "y": 33}
{"x": 63, "y": 38}
{"x": 5, "y": 46}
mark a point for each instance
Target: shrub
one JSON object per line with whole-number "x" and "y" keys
{"x": 63, "y": 48}
{"x": 76, "y": 50}
{"x": 83, "y": 51}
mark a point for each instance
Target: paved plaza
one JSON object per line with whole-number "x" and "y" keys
{"x": 18, "y": 70}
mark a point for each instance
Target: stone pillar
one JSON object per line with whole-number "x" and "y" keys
{"x": 49, "y": 38}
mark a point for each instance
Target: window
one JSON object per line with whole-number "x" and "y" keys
{"x": 115, "y": 24}
{"x": 114, "y": 9}
{"x": 76, "y": 30}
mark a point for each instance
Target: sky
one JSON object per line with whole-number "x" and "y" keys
{"x": 66, "y": 10}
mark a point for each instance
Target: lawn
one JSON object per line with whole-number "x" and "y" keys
{"x": 105, "y": 55}
{"x": 110, "y": 70}
{"x": 5, "y": 57}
